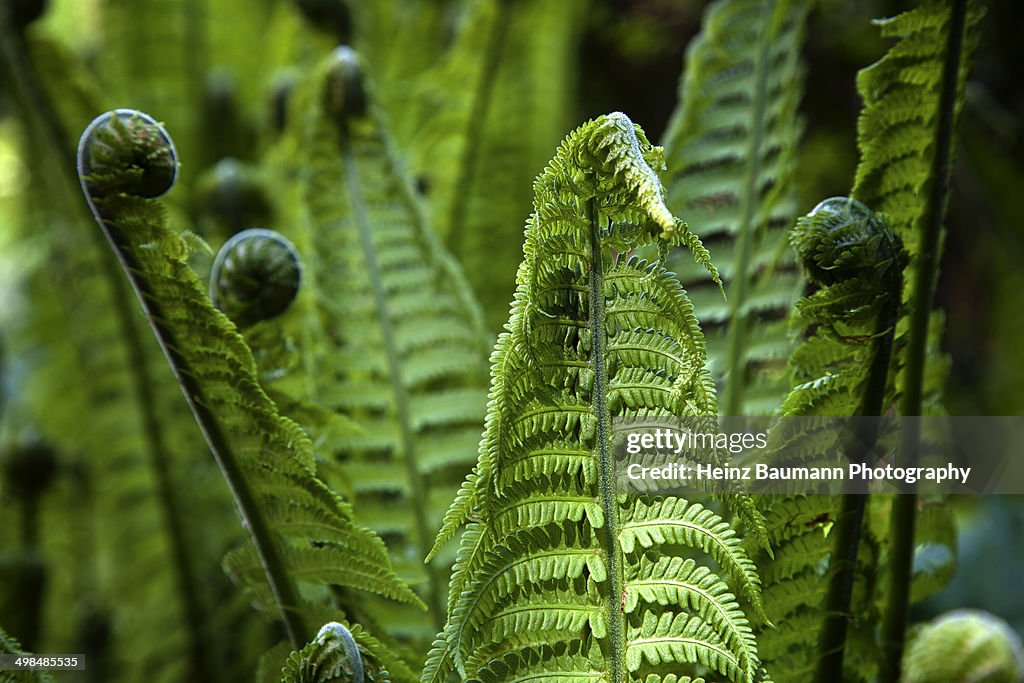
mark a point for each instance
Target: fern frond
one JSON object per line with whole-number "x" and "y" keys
{"x": 906, "y": 136}
{"x": 332, "y": 656}
{"x": 125, "y": 157}
{"x": 393, "y": 335}
{"x": 731, "y": 149}
{"x": 559, "y": 575}
{"x": 105, "y": 399}
{"x": 844, "y": 367}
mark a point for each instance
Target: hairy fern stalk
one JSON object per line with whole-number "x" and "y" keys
{"x": 558, "y": 575}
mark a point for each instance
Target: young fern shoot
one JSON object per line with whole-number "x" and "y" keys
{"x": 298, "y": 527}
{"x": 559, "y": 574}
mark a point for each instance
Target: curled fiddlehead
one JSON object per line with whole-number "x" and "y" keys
{"x": 292, "y": 518}
{"x": 126, "y": 151}
{"x": 255, "y": 276}
{"x": 332, "y": 657}
{"x": 841, "y": 239}
{"x": 965, "y": 645}
{"x": 345, "y": 90}
{"x": 856, "y": 265}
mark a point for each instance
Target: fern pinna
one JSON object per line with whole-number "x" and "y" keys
{"x": 559, "y": 575}
{"x": 731, "y": 148}
{"x": 303, "y": 535}
{"x": 393, "y": 337}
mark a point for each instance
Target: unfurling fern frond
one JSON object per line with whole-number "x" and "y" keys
{"x": 332, "y": 657}
{"x": 965, "y": 645}
{"x": 843, "y": 368}
{"x": 393, "y": 337}
{"x": 303, "y": 535}
{"x": 901, "y": 136}
{"x": 559, "y": 575}
{"x": 731, "y": 150}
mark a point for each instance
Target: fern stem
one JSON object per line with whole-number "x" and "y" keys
{"x": 850, "y": 523}
{"x": 610, "y": 533}
{"x": 36, "y": 104}
{"x": 735, "y": 371}
{"x": 424, "y": 538}
{"x": 894, "y": 625}
{"x": 281, "y": 586}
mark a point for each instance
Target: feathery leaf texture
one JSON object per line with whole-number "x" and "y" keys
{"x": 332, "y": 657}
{"x": 93, "y": 358}
{"x": 559, "y": 575}
{"x": 897, "y": 135}
{"x": 396, "y": 341}
{"x": 731, "y": 151}
{"x": 267, "y": 459}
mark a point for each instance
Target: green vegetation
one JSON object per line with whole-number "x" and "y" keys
{"x": 246, "y": 368}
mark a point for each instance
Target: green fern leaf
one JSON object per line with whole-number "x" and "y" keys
{"x": 558, "y": 575}
{"x": 731, "y": 149}
{"x": 267, "y": 460}
{"x": 393, "y": 337}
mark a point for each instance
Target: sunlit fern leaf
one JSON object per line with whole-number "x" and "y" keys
{"x": 266, "y": 458}
{"x": 476, "y": 148}
{"x": 731, "y": 151}
{"x": 559, "y": 575}
{"x": 10, "y": 646}
{"x": 907, "y": 140}
{"x": 392, "y": 336}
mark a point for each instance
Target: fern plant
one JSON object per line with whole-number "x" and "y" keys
{"x": 731, "y": 151}
{"x": 393, "y": 338}
{"x": 558, "y": 575}
{"x": 300, "y": 530}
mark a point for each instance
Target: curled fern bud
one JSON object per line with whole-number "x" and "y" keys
{"x": 332, "y": 657}
{"x": 346, "y": 88}
{"x": 255, "y": 276}
{"x": 965, "y": 645}
{"x": 841, "y": 239}
{"x": 126, "y": 151}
